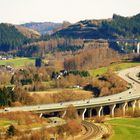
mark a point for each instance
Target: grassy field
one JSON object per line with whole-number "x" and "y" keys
{"x": 5, "y": 123}
{"x": 125, "y": 129}
{"x": 114, "y": 67}
{"x": 18, "y": 62}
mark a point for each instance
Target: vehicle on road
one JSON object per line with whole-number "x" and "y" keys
{"x": 6, "y": 109}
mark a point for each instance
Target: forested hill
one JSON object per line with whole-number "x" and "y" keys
{"x": 11, "y": 38}
{"x": 117, "y": 27}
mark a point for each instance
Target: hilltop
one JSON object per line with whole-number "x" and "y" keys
{"x": 117, "y": 27}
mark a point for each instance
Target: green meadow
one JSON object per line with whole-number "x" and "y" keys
{"x": 125, "y": 129}
{"x": 18, "y": 62}
{"x": 114, "y": 67}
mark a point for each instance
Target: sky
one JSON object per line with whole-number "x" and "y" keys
{"x": 22, "y": 11}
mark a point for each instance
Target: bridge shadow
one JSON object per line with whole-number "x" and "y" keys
{"x": 53, "y": 114}
{"x": 106, "y": 110}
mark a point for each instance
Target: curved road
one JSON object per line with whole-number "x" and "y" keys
{"x": 133, "y": 93}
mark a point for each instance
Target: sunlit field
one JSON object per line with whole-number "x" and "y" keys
{"x": 115, "y": 67}
{"x": 125, "y": 129}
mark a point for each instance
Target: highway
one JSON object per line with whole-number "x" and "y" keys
{"x": 131, "y": 94}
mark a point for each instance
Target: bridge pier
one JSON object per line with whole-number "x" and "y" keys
{"x": 133, "y": 105}
{"x": 138, "y": 48}
{"x": 138, "y": 104}
{"x": 112, "y": 108}
{"x": 64, "y": 114}
{"x": 99, "y": 111}
{"x": 124, "y": 108}
{"x": 83, "y": 114}
{"x": 90, "y": 113}
{"x": 80, "y": 112}
{"x": 40, "y": 116}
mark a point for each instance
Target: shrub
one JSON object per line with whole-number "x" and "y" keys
{"x": 71, "y": 113}
{"x": 118, "y": 112}
{"x": 11, "y": 131}
{"x": 136, "y": 113}
{"x": 105, "y": 136}
{"x": 73, "y": 128}
{"x": 131, "y": 113}
{"x": 100, "y": 119}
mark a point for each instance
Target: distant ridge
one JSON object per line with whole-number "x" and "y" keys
{"x": 30, "y": 33}
{"x": 43, "y": 27}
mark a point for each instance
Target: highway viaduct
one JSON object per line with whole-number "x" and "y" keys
{"x": 106, "y": 105}
{"x": 107, "y": 108}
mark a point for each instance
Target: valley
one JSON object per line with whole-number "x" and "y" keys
{"x": 69, "y": 79}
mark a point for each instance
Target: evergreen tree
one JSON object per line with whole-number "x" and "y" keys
{"x": 11, "y": 131}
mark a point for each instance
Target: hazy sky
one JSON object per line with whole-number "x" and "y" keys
{"x": 21, "y": 11}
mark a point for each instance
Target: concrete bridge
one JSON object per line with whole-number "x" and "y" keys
{"x": 95, "y": 106}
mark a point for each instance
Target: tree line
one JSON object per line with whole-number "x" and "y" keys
{"x": 89, "y": 58}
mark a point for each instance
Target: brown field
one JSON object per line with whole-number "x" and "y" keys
{"x": 60, "y": 95}
{"x": 55, "y": 91}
